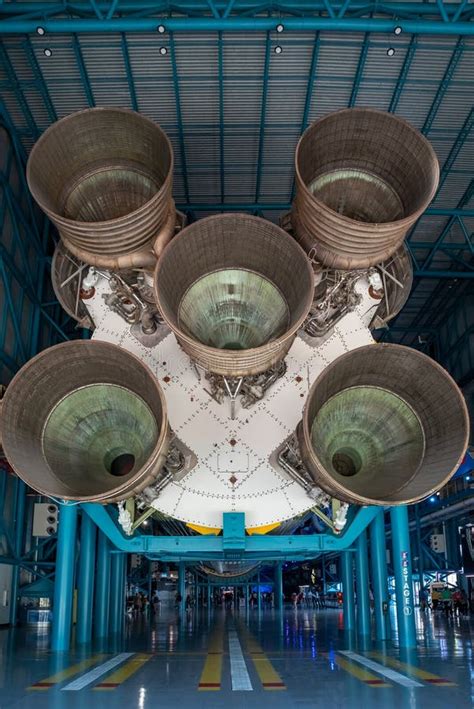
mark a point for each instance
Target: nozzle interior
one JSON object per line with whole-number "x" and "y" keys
{"x": 233, "y": 309}
{"x": 85, "y": 420}
{"x": 99, "y": 164}
{"x": 367, "y": 165}
{"x": 383, "y": 424}
{"x": 363, "y": 433}
{"x": 97, "y": 434}
{"x": 107, "y": 193}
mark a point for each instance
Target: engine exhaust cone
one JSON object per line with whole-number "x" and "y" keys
{"x": 104, "y": 177}
{"x": 85, "y": 421}
{"x": 383, "y": 425}
{"x": 363, "y": 177}
{"x": 234, "y": 289}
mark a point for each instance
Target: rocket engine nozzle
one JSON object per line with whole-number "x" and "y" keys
{"x": 234, "y": 289}
{"x": 383, "y": 425}
{"x": 104, "y": 178}
{"x": 363, "y": 177}
{"x": 85, "y": 420}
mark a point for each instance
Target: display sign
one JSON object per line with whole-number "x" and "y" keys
{"x": 407, "y": 606}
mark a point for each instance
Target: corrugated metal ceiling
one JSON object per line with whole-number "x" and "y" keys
{"x": 234, "y": 108}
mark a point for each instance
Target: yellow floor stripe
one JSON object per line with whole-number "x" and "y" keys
{"x": 269, "y": 677}
{"x": 359, "y": 672}
{"x": 210, "y": 680}
{"x": 66, "y": 673}
{"x": 124, "y": 672}
{"x": 428, "y": 677}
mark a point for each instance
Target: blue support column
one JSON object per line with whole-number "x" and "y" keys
{"x": 19, "y": 517}
{"x": 419, "y": 548}
{"x": 64, "y": 579}
{"x": 403, "y": 581}
{"x": 278, "y": 585}
{"x": 259, "y": 598}
{"x": 378, "y": 558}
{"x": 362, "y": 585}
{"x": 116, "y": 592}
{"x": 348, "y": 601}
{"x": 124, "y": 587}
{"x": 182, "y": 584}
{"x": 102, "y": 588}
{"x": 85, "y": 586}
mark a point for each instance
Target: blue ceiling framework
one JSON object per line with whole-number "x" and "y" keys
{"x": 234, "y": 83}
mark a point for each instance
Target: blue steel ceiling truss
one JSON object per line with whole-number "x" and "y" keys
{"x": 441, "y": 243}
{"x": 239, "y": 15}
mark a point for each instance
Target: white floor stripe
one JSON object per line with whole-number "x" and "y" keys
{"x": 381, "y": 669}
{"x": 238, "y": 669}
{"x": 97, "y": 672}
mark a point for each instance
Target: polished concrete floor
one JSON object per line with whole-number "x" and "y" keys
{"x": 231, "y": 659}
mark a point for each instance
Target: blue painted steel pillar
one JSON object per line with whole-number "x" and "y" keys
{"x": 419, "y": 548}
{"x": 378, "y": 558}
{"x": 102, "y": 588}
{"x": 64, "y": 578}
{"x": 362, "y": 585}
{"x": 123, "y": 576}
{"x": 279, "y": 585}
{"x": 19, "y": 517}
{"x": 116, "y": 593}
{"x": 403, "y": 581}
{"x": 259, "y": 597}
{"x": 85, "y": 584}
{"x": 122, "y": 579}
{"x": 182, "y": 584}
{"x": 348, "y": 601}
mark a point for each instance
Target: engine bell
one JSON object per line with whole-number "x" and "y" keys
{"x": 383, "y": 425}
{"x": 234, "y": 289}
{"x": 85, "y": 420}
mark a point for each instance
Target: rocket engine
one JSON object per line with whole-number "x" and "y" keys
{"x": 363, "y": 177}
{"x": 104, "y": 177}
{"x": 383, "y": 425}
{"x": 234, "y": 289}
{"x": 86, "y": 421}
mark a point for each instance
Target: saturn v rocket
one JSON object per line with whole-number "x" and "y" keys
{"x": 231, "y": 364}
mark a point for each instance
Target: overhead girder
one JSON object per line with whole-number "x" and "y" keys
{"x": 239, "y": 15}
